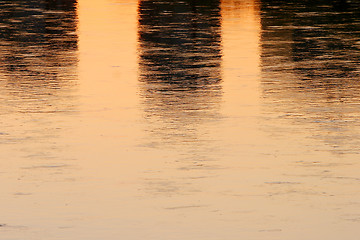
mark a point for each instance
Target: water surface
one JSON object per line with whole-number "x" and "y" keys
{"x": 232, "y": 119}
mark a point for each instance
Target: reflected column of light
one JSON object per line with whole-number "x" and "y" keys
{"x": 108, "y": 77}
{"x": 107, "y": 46}
{"x": 241, "y": 60}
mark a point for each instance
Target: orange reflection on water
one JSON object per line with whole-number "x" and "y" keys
{"x": 151, "y": 125}
{"x": 241, "y": 67}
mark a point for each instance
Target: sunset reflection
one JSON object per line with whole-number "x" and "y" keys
{"x": 241, "y": 40}
{"x": 192, "y": 119}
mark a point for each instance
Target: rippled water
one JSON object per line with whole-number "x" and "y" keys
{"x": 314, "y": 78}
{"x": 232, "y": 119}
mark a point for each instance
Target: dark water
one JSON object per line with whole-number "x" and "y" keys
{"x": 310, "y": 67}
{"x": 38, "y": 44}
{"x": 180, "y": 65}
{"x": 232, "y": 119}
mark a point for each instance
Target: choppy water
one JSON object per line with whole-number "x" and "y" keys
{"x": 220, "y": 120}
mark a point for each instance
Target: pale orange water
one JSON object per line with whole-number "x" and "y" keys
{"x": 170, "y": 120}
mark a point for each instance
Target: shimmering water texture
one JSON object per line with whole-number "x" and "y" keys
{"x": 173, "y": 120}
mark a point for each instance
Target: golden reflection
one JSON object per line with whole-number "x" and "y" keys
{"x": 241, "y": 67}
{"x": 107, "y": 53}
{"x": 172, "y": 100}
